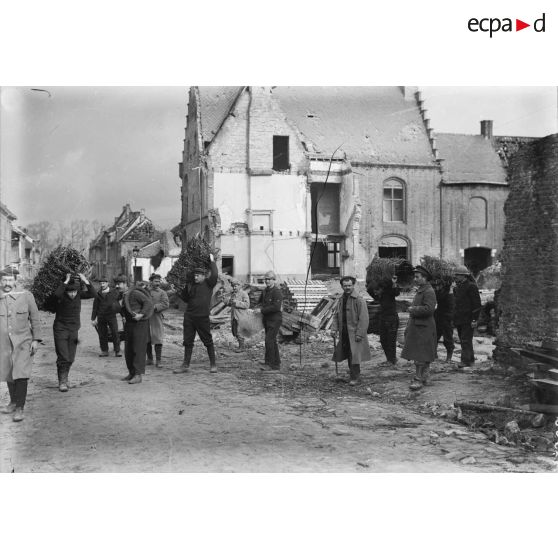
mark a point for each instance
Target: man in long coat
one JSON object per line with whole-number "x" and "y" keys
{"x": 156, "y": 327}
{"x": 136, "y": 307}
{"x": 19, "y": 339}
{"x": 467, "y": 309}
{"x": 420, "y": 335}
{"x": 351, "y": 319}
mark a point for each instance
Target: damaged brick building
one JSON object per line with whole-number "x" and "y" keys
{"x": 273, "y": 175}
{"x": 529, "y": 295}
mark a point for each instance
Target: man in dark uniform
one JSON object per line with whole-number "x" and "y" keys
{"x": 467, "y": 309}
{"x": 389, "y": 320}
{"x": 136, "y": 308}
{"x": 197, "y": 296}
{"x": 103, "y": 317}
{"x": 272, "y": 300}
{"x": 67, "y": 323}
{"x": 443, "y": 316}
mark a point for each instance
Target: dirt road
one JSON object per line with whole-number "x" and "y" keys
{"x": 243, "y": 420}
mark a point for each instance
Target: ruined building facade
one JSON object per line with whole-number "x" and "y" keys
{"x": 291, "y": 178}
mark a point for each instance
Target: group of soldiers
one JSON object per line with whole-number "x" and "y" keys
{"x": 432, "y": 315}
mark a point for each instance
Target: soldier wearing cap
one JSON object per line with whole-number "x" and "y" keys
{"x": 420, "y": 336}
{"x": 467, "y": 309}
{"x": 239, "y": 302}
{"x": 67, "y": 323}
{"x": 351, "y": 320}
{"x": 156, "y": 327}
{"x": 103, "y": 318}
{"x": 197, "y": 296}
{"x": 272, "y": 300}
{"x": 19, "y": 339}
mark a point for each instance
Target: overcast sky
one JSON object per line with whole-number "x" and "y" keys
{"x": 84, "y": 152}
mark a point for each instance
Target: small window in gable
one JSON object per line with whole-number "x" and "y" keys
{"x": 281, "y": 153}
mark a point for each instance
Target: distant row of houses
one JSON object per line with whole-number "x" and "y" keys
{"x": 17, "y": 248}
{"x": 132, "y": 246}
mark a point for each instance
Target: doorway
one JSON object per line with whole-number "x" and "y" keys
{"x": 138, "y": 273}
{"x": 478, "y": 258}
{"x": 227, "y": 265}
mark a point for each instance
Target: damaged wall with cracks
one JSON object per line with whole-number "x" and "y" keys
{"x": 528, "y": 300}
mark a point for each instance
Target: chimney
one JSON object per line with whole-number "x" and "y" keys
{"x": 486, "y": 129}
{"x": 142, "y": 212}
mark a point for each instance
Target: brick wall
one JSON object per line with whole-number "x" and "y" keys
{"x": 529, "y": 294}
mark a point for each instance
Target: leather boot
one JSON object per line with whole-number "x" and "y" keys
{"x": 416, "y": 383}
{"x": 354, "y": 374}
{"x": 449, "y": 355}
{"x": 149, "y": 353}
{"x": 63, "y": 380}
{"x": 425, "y": 375}
{"x": 186, "y": 362}
{"x": 158, "y": 354}
{"x": 211, "y": 354}
{"x": 241, "y": 345}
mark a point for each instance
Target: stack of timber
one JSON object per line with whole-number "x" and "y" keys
{"x": 320, "y": 318}
{"x": 304, "y": 295}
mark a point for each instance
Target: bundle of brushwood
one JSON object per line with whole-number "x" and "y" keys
{"x": 440, "y": 269}
{"x": 194, "y": 254}
{"x": 383, "y": 269}
{"x": 61, "y": 261}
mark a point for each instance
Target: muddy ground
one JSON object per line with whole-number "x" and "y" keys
{"x": 301, "y": 419}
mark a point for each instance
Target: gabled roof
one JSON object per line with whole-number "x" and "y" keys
{"x": 150, "y": 250}
{"x": 372, "y": 124}
{"x": 165, "y": 242}
{"x": 7, "y": 212}
{"x": 469, "y": 159}
{"x": 20, "y": 232}
{"x": 215, "y": 105}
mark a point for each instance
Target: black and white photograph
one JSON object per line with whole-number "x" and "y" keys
{"x": 280, "y": 271}
{"x": 302, "y": 279}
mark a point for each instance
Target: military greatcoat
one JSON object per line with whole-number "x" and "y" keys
{"x": 19, "y": 326}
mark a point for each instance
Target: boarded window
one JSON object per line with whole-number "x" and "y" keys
{"x": 281, "y": 153}
{"x": 477, "y": 213}
{"x": 394, "y": 201}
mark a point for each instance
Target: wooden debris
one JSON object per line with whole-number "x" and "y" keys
{"x": 485, "y": 407}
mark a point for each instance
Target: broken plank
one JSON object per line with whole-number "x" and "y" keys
{"x": 485, "y": 407}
